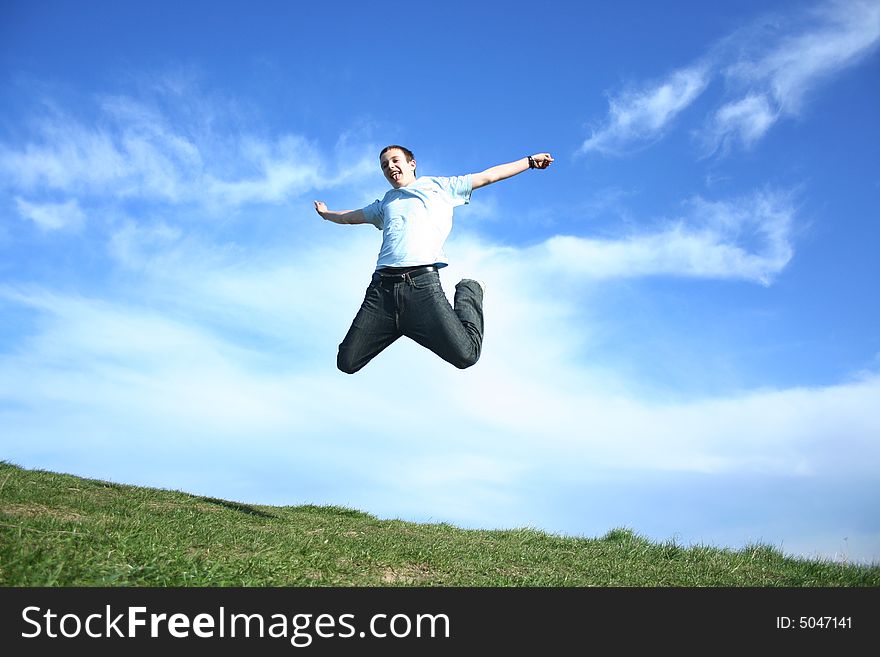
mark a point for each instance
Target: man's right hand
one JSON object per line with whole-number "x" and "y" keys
{"x": 340, "y": 217}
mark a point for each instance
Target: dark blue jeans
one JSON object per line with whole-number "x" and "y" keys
{"x": 418, "y": 309}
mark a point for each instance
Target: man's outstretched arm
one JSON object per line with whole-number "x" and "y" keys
{"x": 343, "y": 217}
{"x": 503, "y": 171}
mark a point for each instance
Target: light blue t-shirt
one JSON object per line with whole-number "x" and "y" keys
{"x": 416, "y": 220}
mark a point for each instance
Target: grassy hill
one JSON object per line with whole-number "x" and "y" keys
{"x": 61, "y": 530}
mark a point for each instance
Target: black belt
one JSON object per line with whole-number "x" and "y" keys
{"x": 399, "y": 274}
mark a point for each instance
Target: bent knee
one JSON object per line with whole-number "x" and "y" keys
{"x": 346, "y": 366}
{"x": 465, "y": 362}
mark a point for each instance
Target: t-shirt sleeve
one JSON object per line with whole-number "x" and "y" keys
{"x": 373, "y": 214}
{"x": 459, "y": 188}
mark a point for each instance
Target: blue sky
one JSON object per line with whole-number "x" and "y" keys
{"x": 682, "y": 330}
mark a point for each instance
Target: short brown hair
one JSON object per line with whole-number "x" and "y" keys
{"x": 409, "y": 154}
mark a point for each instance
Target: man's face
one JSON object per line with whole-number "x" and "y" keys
{"x": 397, "y": 170}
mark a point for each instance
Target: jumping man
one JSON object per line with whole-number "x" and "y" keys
{"x": 404, "y": 297}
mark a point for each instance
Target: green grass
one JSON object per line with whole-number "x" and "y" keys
{"x": 61, "y": 530}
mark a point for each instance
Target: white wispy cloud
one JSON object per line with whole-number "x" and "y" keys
{"x": 118, "y": 360}
{"x": 768, "y": 72}
{"x": 749, "y": 119}
{"x": 749, "y": 238}
{"x": 830, "y": 37}
{"x": 779, "y": 75}
{"x": 132, "y": 150}
{"x": 643, "y": 115}
{"x": 52, "y": 216}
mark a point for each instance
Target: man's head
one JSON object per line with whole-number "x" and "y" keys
{"x": 398, "y": 165}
